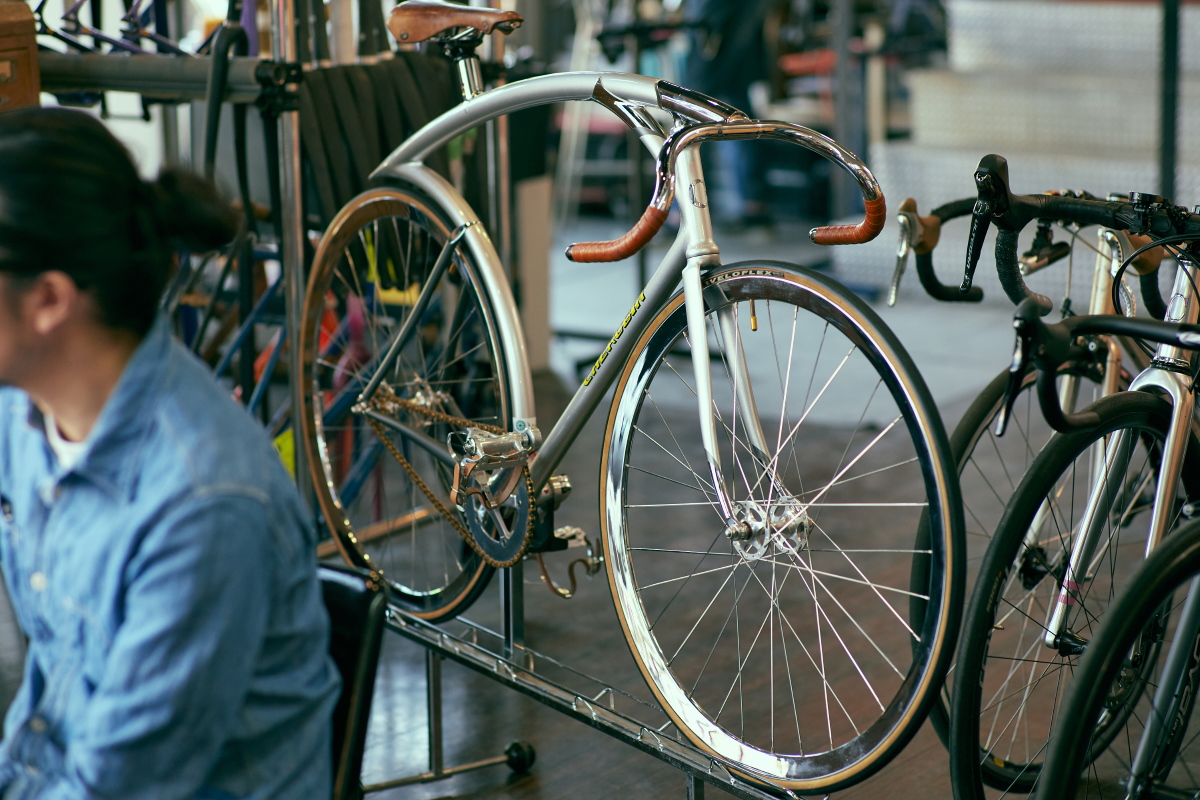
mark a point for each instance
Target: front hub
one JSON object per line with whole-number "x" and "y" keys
{"x": 762, "y": 528}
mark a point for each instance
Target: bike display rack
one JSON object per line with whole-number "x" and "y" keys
{"x": 503, "y": 657}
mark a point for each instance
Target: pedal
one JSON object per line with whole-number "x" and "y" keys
{"x": 592, "y": 561}
{"x": 475, "y": 450}
{"x": 489, "y": 451}
{"x": 573, "y": 536}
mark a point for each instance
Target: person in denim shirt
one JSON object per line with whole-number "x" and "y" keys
{"x": 157, "y": 555}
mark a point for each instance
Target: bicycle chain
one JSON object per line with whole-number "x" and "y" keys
{"x": 390, "y": 397}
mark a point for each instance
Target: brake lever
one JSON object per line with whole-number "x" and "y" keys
{"x": 1022, "y": 353}
{"x": 991, "y": 184}
{"x": 909, "y": 224}
{"x": 981, "y": 220}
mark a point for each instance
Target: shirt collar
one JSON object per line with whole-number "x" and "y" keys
{"x": 110, "y": 457}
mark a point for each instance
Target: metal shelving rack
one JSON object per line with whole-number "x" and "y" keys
{"x": 503, "y": 657}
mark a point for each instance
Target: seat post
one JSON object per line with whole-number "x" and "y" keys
{"x": 470, "y": 77}
{"x": 462, "y": 52}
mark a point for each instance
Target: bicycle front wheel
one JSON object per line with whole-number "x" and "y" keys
{"x": 1146, "y": 618}
{"x": 1011, "y": 682}
{"x": 990, "y": 467}
{"x": 789, "y": 654}
{"x": 381, "y": 259}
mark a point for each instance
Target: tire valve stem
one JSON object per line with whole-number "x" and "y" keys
{"x": 753, "y": 317}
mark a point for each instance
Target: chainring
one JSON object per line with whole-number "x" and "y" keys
{"x": 501, "y": 535}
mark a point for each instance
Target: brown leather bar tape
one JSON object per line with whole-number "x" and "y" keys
{"x": 864, "y": 231}
{"x": 1149, "y": 261}
{"x": 928, "y": 231}
{"x": 617, "y": 249}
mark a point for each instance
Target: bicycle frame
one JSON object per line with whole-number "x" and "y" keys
{"x": 693, "y": 253}
{"x": 1160, "y": 377}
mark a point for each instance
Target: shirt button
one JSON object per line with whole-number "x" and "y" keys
{"x": 37, "y": 725}
{"x": 31, "y": 770}
{"x": 37, "y": 581}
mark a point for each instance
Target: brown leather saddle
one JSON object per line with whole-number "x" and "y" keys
{"x": 421, "y": 20}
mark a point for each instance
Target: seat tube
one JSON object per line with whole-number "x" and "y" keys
{"x": 702, "y": 253}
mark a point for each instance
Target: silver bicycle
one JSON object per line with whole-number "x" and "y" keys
{"x": 770, "y": 612}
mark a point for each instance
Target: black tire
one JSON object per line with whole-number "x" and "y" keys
{"x": 1143, "y": 616}
{"x": 838, "y": 681}
{"x": 989, "y": 469}
{"x": 1001, "y": 721}
{"x": 371, "y": 266}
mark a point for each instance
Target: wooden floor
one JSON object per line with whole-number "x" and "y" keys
{"x": 573, "y": 760}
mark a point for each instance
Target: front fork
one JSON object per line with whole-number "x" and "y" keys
{"x": 703, "y": 254}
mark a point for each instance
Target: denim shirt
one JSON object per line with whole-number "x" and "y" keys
{"x": 178, "y": 643}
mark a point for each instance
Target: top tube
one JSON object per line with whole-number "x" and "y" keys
{"x": 626, "y": 88}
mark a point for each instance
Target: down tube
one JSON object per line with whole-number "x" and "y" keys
{"x": 614, "y": 356}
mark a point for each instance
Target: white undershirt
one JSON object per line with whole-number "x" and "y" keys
{"x": 67, "y": 452}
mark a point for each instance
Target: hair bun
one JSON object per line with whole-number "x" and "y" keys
{"x": 188, "y": 208}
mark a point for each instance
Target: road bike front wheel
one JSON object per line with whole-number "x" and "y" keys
{"x": 790, "y": 654}
{"x": 990, "y": 467}
{"x": 382, "y": 258}
{"x": 1146, "y": 617}
{"x": 1010, "y": 683}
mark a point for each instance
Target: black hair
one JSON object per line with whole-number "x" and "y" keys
{"x": 71, "y": 200}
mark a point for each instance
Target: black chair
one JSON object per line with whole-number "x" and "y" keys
{"x": 357, "y": 605}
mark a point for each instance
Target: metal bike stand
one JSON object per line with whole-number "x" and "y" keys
{"x": 437, "y": 770}
{"x": 517, "y": 667}
{"x": 512, "y": 594}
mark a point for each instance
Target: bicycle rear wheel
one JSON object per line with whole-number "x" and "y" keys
{"x": 374, "y": 263}
{"x": 789, "y": 655}
{"x": 1010, "y": 684}
{"x": 1144, "y": 619}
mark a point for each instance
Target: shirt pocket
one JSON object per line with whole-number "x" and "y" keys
{"x": 88, "y": 638}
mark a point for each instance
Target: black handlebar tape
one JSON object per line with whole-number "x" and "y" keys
{"x": 1056, "y": 418}
{"x": 954, "y": 209}
{"x": 1010, "y": 273}
{"x": 1152, "y": 295}
{"x": 1055, "y": 344}
{"x": 925, "y": 271}
{"x": 1067, "y": 209}
{"x": 1050, "y": 346}
{"x": 1172, "y": 333}
{"x": 940, "y": 291}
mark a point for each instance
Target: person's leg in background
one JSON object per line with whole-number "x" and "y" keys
{"x": 727, "y": 56}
